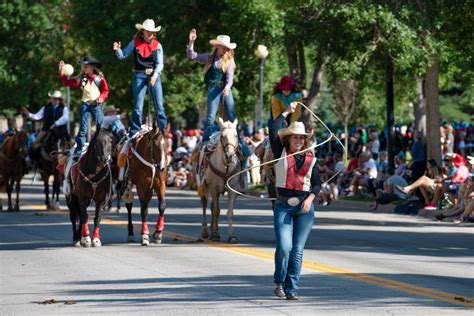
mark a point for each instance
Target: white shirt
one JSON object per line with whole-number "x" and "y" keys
{"x": 372, "y": 168}
{"x": 59, "y": 122}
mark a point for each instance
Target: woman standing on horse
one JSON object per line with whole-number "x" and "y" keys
{"x": 94, "y": 92}
{"x": 148, "y": 58}
{"x": 298, "y": 183}
{"x": 218, "y": 75}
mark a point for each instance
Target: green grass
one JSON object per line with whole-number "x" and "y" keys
{"x": 257, "y": 188}
{"x": 358, "y": 198}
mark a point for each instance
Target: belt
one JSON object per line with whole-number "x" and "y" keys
{"x": 148, "y": 71}
{"x": 218, "y": 84}
{"x": 291, "y": 200}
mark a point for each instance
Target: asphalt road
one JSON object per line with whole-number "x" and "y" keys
{"x": 357, "y": 262}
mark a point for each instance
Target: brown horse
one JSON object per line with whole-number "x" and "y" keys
{"x": 47, "y": 163}
{"x": 224, "y": 162}
{"x": 13, "y": 166}
{"x": 147, "y": 170}
{"x": 265, "y": 154}
{"x": 91, "y": 179}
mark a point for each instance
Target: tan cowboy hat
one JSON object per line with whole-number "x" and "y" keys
{"x": 148, "y": 25}
{"x": 56, "y": 94}
{"x": 110, "y": 108}
{"x": 223, "y": 40}
{"x": 295, "y": 128}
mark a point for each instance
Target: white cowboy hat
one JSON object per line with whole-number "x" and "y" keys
{"x": 295, "y": 128}
{"x": 148, "y": 25}
{"x": 56, "y": 94}
{"x": 110, "y": 108}
{"x": 223, "y": 40}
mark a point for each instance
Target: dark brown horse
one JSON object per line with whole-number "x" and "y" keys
{"x": 148, "y": 172}
{"x": 90, "y": 179}
{"x": 13, "y": 166}
{"x": 47, "y": 163}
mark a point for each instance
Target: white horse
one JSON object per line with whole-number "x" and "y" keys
{"x": 223, "y": 163}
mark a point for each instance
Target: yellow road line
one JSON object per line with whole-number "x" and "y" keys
{"x": 396, "y": 285}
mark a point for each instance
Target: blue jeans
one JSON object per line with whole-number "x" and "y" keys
{"x": 140, "y": 84}
{"x": 84, "y": 111}
{"x": 292, "y": 228}
{"x": 214, "y": 95}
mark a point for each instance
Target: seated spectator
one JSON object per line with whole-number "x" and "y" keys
{"x": 464, "y": 208}
{"x": 427, "y": 183}
{"x": 363, "y": 175}
{"x": 400, "y": 165}
{"x": 389, "y": 193}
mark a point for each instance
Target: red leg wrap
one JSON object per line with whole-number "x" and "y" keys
{"x": 85, "y": 230}
{"x": 160, "y": 224}
{"x": 95, "y": 234}
{"x": 145, "y": 230}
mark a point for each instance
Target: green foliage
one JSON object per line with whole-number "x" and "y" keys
{"x": 353, "y": 39}
{"x": 31, "y": 34}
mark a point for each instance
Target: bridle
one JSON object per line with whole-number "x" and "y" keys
{"x": 153, "y": 164}
{"x": 229, "y": 172}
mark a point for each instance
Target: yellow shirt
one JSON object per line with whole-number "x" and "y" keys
{"x": 279, "y": 107}
{"x": 90, "y": 92}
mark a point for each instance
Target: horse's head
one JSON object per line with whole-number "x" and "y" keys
{"x": 20, "y": 141}
{"x": 159, "y": 146}
{"x": 229, "y": 140}
{"x": 102, "y": 145}
{"x": 49, "y": 141}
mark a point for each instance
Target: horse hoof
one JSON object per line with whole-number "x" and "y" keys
{"x": 145, "y": 240}
{"x": 233, "y": 240}
{"x": 215, "y": 238}
{"x": 76, "y": 243}
{"x": 157, "y": 237}
{"x": 86, "y": 242}
{"x": 130, "y": 239}
{"x": 96, "y": 242}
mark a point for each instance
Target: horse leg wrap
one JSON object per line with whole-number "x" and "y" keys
{"x": 85, "y": 230}
{"x": 95, "y": 234}
{"x": 160, "y": 224}
{"x": 145, "y": 230}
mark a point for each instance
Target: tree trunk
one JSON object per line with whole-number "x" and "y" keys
{"x": 346, "y": 140}
{"x": 433, "y": 142}
{"x": 390, "y": 113}
{"x": 302, "y": 64}
{"x": 291, "y": 53}
{"x": 306, "y": 117}
{"x": 419, "y": 107}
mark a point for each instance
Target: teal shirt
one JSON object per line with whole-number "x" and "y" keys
{"x": 287, "y": 99}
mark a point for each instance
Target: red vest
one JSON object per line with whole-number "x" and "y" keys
{"x": 144, "y": 57}
{"x": 288, "y": 177}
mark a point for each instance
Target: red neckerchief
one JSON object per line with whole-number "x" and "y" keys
{"x": 146, "y": 48}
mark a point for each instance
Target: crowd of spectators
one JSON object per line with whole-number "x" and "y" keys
{"x": 416, "y": 179}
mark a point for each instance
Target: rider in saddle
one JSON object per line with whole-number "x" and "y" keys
{"x": 55, "y": 116}
{"x": 113, "y": 121}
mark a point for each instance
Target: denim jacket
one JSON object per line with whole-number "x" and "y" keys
{"x": 124, "y": 53}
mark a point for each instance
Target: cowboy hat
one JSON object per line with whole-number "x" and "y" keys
{"x": 295, "y": 128}
{"x": 56, "y": 94}
{"x": 90, "y": 60}
{"x": 110, "y": 108}
{"x": 286, "y": 83}
{"x": 148, "y": 25}
{"x": 223, "y": 40}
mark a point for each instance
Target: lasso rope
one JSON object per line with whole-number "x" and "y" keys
{"x": 331, "y": 136}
